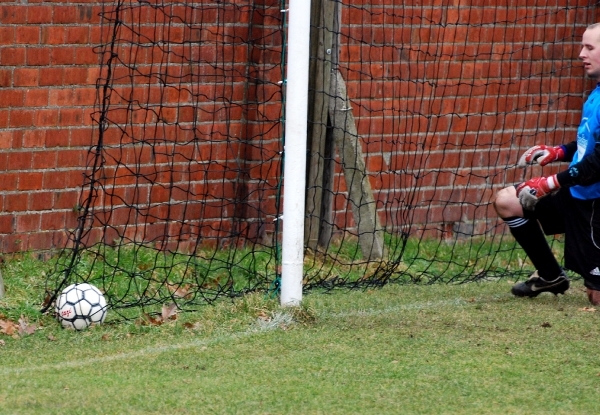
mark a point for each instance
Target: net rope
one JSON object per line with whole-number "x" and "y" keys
{"x": 418, "y": 112}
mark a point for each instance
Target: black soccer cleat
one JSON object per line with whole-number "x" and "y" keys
{"x": 535, "y": 285}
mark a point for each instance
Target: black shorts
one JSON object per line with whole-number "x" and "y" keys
{"x": 579, "y": 221}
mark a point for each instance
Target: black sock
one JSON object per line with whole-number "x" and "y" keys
{"x": 530, "y": 236}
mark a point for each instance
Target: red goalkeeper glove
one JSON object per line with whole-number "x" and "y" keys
{"x": 533, "y": 189}
{"x": 541, "y": 155}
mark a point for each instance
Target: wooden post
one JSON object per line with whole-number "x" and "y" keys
{"x": 321, "y": 41}
{"x": 363, "y": 204}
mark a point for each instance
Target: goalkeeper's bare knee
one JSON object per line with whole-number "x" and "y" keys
{"x": 506, "y": 203}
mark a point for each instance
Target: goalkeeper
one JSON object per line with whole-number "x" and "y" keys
{"x": 567, "y": 202}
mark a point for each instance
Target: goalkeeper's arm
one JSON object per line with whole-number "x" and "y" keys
{"x": 583, "y": 173}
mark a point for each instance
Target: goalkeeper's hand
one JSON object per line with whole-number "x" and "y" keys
{"x": 532, "y": 190}
{"x": 541, "y": 155}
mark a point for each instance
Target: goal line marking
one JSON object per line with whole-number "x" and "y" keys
{"x": 203, "y": 344}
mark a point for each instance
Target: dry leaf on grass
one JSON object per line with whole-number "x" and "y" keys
{"x": 169, "y": 312}
{"x": 179, "y": 291}
{"x": 148, "y": 320}
{"x": 25, "y": 328}
{"x": 193, "y": 326}
{"x": 8, "y": 327}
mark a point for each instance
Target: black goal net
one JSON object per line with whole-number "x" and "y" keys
{"x": 418, "y": 112}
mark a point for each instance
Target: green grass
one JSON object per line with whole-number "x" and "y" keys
{"x": 137, "y": 274}
{"x": 409, "y": 349}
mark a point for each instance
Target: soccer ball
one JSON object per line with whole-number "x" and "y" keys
{"x": 80, "y": 305}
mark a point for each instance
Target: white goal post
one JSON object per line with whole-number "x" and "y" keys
{"x": 294, "y": 174}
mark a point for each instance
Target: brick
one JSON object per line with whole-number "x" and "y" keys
{"x": 61, "y": 97}
{"x": 6, "y": 223}
{"x": 27, "y": 34}
{"x": 43, "y": 161}
{"x": 89, "y": 115}
{"x": 96, "y": 34}
{"x": 85, "y": 55}
{"x": 5, "y": 78}
{"x": 36, "y": 138}
{"x": 12, "y": 56}
{"x": 13, "y": 14}
{"x": 51, "y": 76}
{"x": 82, "y": 137}
{"x": 85, "y": 96}
{"x": 6, "y": 137}
{"x": 57, "y": 138}
{"x": 63, "y": 179}
{"x": 62, "y": 55}
{"x": 39, "y": 14}
{"x": 28, "y": 222}
{"x": 15, "y": 202}
{"x": 71, "y": 158}
{"x": 88, "y": 13}
{"x": 19, "y": 160}
{"x": 38, "y": 56}
{"x": 7, "y": 35}
{"x": 43, "y": 240}
{"x": 36, "y": 97}
{"x": 46, "y": 118}
{"x": 13, "y": 243}
{"x": 26, "y": 77}
{"x": 12, "y": 97}
{"x": 66, "y": 199}
{"x": 30, "y": 181}
{"x": 8, "y": 181}
{"x": 70, "y": 116}
{"x": 65, "y": 14}
{"x": 92, "y": 75}
{"x": 76, "y": 76}
{"x": 53, "y": 220}
{"x": 77, "y": 35}
{"x": 54, "y": 35}
{"x": 21, "y": 118}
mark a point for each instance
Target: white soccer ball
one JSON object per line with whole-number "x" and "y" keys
{"x": 80, "y": 305}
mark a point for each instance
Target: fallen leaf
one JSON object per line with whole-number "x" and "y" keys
{"x": 193, "y": 326}
{"x": 264, "y": 316}
{"x": 179, "y": 291}
{"x": 588, "y": 309}
{"x": 25, "y": 328}
{"x": 169, "y": 312}
{"x": 147, "y": 319}
{"x": 47, "y": 299}
{"x": 546, "y": 325}
{"x": 51, "y": 338}
{"x": 8, "y": 327}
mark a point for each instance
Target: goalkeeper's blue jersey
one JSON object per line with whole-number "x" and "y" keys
{"x": 588, "y": 136}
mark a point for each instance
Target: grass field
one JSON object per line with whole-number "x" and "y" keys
{"x": 440, "y": 349}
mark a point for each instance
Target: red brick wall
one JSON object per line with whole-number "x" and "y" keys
{"x": 48, "y": 70}
{"x": 416, "y": 102}
{"x": 448, "y": 94}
